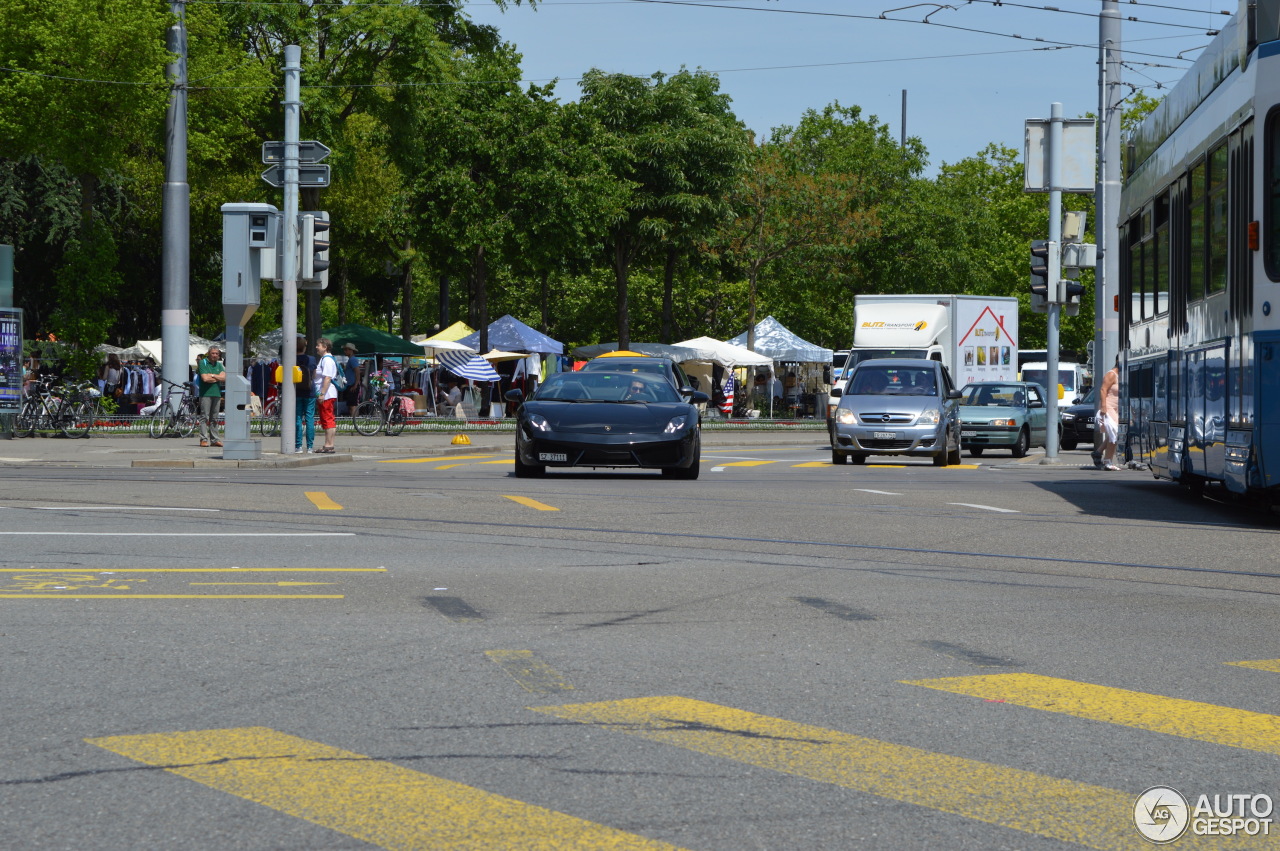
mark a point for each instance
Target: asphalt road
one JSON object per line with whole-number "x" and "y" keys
{"x": 424, "y": 652}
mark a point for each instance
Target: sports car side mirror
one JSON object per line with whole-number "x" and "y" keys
{"x": 697, "y": 397}
{"x": 513, "y": 396}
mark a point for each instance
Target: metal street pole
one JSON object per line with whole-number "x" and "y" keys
{"x": 175, "y": 301}
{"x": 1054, "y": 152}
{"x": 1107, "y": 211}
{"x": 289, "y": 233}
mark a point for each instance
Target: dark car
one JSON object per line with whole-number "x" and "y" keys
{"x": 602, "y": 418}
{"x": 665, "y": 367}
{"x": 898, "y": 407}
{"x": 1077, "y": 420}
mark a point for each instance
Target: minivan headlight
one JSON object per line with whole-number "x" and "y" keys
{"x": 844, "y": 416}
{"x": 930, "y": 417}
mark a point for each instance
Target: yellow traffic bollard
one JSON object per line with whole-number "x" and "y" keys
{"x": 461, "y": 440}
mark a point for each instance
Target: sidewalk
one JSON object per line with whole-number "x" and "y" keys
{"x": 136, "y": 450}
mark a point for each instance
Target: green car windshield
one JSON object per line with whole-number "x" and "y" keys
{"x": 994, "y": 396}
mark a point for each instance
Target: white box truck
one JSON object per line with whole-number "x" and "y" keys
{"x": 975, "y": 337}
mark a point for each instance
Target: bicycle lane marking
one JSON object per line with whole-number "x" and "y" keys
{"x": 62, "y": 584}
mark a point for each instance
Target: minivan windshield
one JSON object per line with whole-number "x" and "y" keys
{"x": 893, "y": 381}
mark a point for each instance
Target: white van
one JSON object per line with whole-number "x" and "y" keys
{"x": 1071, "y": 377}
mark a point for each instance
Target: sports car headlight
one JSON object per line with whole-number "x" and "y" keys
{"x": 1009, "y": 423}
{"x": 676, "y": 424}
{"x": 844, "y": 416}
{"x": 930, "y": 417}
{"x": 539, "y": 422}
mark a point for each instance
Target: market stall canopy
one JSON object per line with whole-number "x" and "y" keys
{"x": 430, "y": 347}
{"x": 512, "y": 335}
{"x": 494, "y": 355}
{"x": 773, "y": 339}
{"x": 653, "y": 350}
{"x": 725, "y": 354}
{"x": 196, "y": 346}
{"x": 452, "y": 334}
{"x": 468, "y": 365}
{"x": 371, "y": 341}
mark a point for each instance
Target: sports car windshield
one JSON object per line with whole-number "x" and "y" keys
{"x": 601, "y": 386}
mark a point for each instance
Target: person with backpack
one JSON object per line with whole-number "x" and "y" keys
{"x": 329, "y": 380}
{"x": 305, "y": 399}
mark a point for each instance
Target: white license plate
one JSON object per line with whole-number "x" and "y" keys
{"x": 968, "y": 434}
{"x": 552, "y": 456}
{"x": 884, "y": 435}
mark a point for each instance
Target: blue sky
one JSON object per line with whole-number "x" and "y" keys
{"x": 965, "y": 87}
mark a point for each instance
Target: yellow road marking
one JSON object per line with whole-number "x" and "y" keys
{"x": 532, "y": 503}
{"x": 446, "y": 466}
{"x": 1189, "y": 719}
{"x": 531, "y": 673}
{"x": 746, "y": 463}
{"x": 369, "y": 799}
{"x": 499, "y": 461}
{"x": 1272, "y": 665}
{"x": 433, "y": 460}
{"x": 1093, "y": 816}
{"x": 963, "y": 466}
{"x": 171, "y": 597}
{"x": 814, "y": 464}
{"x": 203, "y": 570}
{"x": 322, "y": 501}
{"x": 889, "y": 466}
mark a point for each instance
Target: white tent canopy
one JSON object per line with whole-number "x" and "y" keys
{"x": 196, "y": 346}
{"x": 773, "y": 339}
{"x": 725, "y": 354}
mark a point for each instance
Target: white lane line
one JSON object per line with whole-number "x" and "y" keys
{"x": 197, "y": 534}
{"x": 116, "y": 508}
{"x": 883, "y": 493}
{"x": 717, "y": 469}
{"x": 985, "y": 507}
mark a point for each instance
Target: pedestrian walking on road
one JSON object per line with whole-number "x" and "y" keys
{"x": 1109, "y": 418}
{"x": 209, "y": 372}
{"x": 326, "y": 394}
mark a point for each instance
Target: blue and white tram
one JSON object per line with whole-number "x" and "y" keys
{"x": 1200, "y": 276}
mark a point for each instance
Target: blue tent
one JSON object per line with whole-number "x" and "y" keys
{"x": 512, "y": 335}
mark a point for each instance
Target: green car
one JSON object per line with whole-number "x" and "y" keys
{"x": 1002, "y": 415}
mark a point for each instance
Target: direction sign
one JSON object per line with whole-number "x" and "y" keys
{"x": 309, "y": 151}
{"x": 313, "y": 176}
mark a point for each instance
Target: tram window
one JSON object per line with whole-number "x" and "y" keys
{"x": 1159, "y": 295}
{"x": 1271, "y": 204}
{"x": 1217, "y": 207}
{"x": 1195, "y": 283}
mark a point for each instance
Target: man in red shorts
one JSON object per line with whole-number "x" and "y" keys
{"x": 326, "y": 394}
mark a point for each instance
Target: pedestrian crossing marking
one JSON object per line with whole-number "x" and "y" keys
{"x": 321, "y": 501}
{"x": 375, "y": 801}
{"x": 1272, "y": 665}
{"x": 531, "y": 673}
{"x": 1093, "y": 816}
{"x": 1189, "y": 719}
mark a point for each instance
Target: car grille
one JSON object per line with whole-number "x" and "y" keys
{"x": 660, "y": 455}
{"x": 886, "y": 444}
{"x": 886, "y": 418}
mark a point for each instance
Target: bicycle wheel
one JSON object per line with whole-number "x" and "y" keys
{"x": 269, "y": 422}
{"x": 76, "y": 418}
{"x": 366, "y": 418}
{"x": 24, "y": 424}
{"x": 395, "y": 419}
{"x": 159, "y": 422}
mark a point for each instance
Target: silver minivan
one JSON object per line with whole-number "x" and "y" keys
{"x": 898, "y": 407}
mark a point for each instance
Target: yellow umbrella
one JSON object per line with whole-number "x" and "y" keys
{"x": 453, "y": 333}
{"x": 623, "y": 354}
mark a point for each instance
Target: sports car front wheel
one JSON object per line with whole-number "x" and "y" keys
{"x": 528, "y": 471}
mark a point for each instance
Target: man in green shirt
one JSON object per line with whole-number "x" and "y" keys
{"x": 209, "y": 371}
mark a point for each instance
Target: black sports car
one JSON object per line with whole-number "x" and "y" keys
{"x": 608, "y": 419}
{"x": 1077, "y": 420}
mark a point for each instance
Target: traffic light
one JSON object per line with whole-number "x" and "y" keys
{"x": 1040, "y": 268}
{"x": 313, "y": 250}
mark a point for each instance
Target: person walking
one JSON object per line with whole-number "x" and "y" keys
{"x": 305, "y": 399}
{"x": 209, "y": 372}
{"x": 1109, "y": 418}
{"x": 351, "y": 369}
{"x": 326, "y": 394}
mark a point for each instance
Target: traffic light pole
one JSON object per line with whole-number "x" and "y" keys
{"x": 1053, "y": 157}
{"x": 289, "y": 267}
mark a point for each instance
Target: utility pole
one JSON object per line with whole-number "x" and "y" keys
{"x": 175, "y": 302}
{"x": 1054, "y": 150}
{"x": 289, "y": 267}
{"x": 1106, "y": 285}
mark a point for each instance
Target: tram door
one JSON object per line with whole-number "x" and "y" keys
{"x": 1194, "y": 395}
{"x": 1267, "y": 352}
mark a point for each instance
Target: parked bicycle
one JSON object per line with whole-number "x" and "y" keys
{"x": 68, "y": 409}
{"x": 178, "y": 413}
{"x": 383, "y": 411}
{"x": 269, "y": 422}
